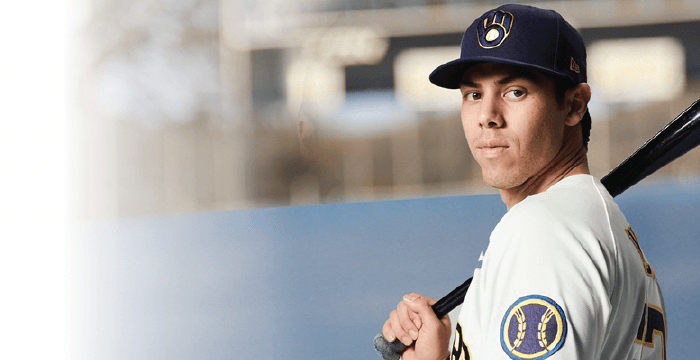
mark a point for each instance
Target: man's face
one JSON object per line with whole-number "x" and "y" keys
{"x": 512, "y": 121}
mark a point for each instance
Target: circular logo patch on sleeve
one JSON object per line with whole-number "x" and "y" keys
{"x": 534, "y": 327}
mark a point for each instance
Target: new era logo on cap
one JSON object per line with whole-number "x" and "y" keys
{"x": 574, "y": 66}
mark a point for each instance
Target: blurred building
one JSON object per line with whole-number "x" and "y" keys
{"x": 204, "y": 105}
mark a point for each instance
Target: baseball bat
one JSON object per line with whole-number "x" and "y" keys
{"x": 676, "y": 138}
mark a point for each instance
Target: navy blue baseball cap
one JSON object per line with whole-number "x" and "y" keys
{"x": 518, "y": 35}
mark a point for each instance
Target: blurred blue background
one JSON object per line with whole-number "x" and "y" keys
{"x": 317, "y": 282}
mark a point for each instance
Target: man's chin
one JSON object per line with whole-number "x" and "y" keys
{"x": 501, "y": 182}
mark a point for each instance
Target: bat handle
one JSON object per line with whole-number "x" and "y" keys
{"x": 392, "y": 350}
{"x": 388, "y": 350}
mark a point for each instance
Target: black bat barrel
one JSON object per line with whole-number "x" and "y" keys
{"x": 675, "y": 139}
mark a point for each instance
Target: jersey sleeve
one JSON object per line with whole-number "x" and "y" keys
{"x": 550, "y": 282}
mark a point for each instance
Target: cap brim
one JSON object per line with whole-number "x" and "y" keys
{"x": 449, "y": 75}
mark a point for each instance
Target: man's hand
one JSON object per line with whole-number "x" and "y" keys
{"x": 414, "y": 323}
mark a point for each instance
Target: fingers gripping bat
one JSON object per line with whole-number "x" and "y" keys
{"x": 675, "y": 139}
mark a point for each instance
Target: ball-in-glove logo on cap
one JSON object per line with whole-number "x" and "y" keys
{"x": 495, "y": 28}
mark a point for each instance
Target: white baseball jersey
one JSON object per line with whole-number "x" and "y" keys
{"x": 563, "y": 278}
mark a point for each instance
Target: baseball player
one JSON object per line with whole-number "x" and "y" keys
{"x": 563, "y": 276}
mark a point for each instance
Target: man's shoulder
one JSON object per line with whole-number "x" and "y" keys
{"x": 571, "y": 198}
{"x": 575, "y": 204}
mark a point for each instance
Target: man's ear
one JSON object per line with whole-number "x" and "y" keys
{"x": 577, "y": 99}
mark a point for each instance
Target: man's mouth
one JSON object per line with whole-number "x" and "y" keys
{"x": 490, "y": 148}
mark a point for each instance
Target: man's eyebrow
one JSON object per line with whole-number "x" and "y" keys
{"x": 465, "y": 83}
{"x": 521, "y": 74}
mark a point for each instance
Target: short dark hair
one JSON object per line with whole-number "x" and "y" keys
{"x": 561, "y": 85}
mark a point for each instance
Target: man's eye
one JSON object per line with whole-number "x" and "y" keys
{"x": 471, "y": 96}
{"x": 514, "y": 94}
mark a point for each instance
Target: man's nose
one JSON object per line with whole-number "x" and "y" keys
{"x": 490, "y": 115}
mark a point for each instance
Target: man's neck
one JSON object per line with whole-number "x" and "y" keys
{"x": 571, "y": 160}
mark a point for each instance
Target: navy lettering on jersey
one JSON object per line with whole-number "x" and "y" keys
{"x": 653, "y": 323}
{"x": 633, "y": 237}
{"x": 460, "y": 350}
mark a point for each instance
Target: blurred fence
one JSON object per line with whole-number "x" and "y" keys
{"x": 290, "y": 282}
